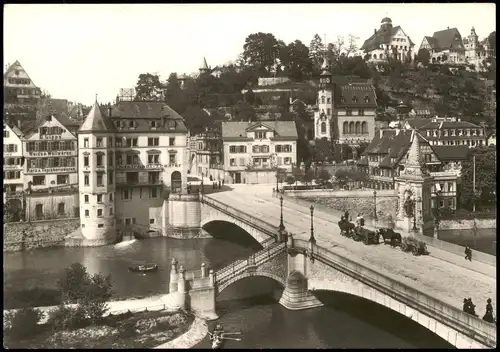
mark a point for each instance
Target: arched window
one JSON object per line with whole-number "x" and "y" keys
{"x": 364, "y": 127}
{"x": 351, "y": 127}
{"x": 381, "y": 56}
{"x": 375, "y": 56}
{"x": 345, "y": 128}
{"x": 358, "y": 128}
{"x": 175, "y": 182}
{"x": 367, "y": 99}
{"x": 355, "y": 99}
{"x": 323, "y": 127}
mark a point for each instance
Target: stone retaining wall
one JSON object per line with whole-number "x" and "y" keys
{"x": 39, "y": 234}
{"x": 467, "y": 224}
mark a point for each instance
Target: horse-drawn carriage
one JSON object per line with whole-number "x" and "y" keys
{"x": 416, "y": 247}
{"x": 407, "y": 244}
{"x": 348, "y": 229}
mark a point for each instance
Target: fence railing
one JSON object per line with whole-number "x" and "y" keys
{"x": 256, "y": 259}
{"x": 404, "y": 293}
{"x": 198, "y": 274}
{"x": 258, "y": 224}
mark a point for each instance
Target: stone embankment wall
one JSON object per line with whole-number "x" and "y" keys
{"x": 467, "y": 224}
{"x": 386, "y": 206}
{"x": 39, "y": 234}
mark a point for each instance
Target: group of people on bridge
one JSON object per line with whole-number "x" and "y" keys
{"x": 470, "y": 308}
{"x": 360, "y": 221}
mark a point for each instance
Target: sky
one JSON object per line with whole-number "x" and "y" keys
{"x": 77, "y": 51}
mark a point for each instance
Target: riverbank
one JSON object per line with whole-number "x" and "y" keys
{"x": 126, "y": 330}
{"x": 190, "y": 338}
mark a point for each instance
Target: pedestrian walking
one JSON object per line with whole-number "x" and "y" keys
{"x": 223, "y": 182}
{"x": 468, "y": 253}
{"x": 488, "y": 316}
{"x": 472, "y": 307}
{"x": 219, "y": 185}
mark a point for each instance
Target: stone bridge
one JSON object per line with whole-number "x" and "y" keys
{"x": 302, "y": 267}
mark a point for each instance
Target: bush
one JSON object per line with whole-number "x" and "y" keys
{"x": 72, "y": 283}
{"x": 67, "y": 318}
{"x": 91, "y": 293}
{"x": 22, "y": 323}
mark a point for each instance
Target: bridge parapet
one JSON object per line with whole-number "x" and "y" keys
{"x": 251, "y": 222}
{"x": 468, "y": 330}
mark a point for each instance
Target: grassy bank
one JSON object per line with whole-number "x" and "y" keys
{"x": 139, "y": 330}
{"x": 31, "y": 297}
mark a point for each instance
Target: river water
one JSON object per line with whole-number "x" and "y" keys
{"x": 344, "y": 322}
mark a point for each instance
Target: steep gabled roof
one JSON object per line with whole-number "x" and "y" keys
{"x": 17, "y": 66}
{"x": 382, "y": 36}
{"x": 451, "y": 152}
{"x": 432, "y": 42}
{"x": 238, "y": 129}
{"x": 356, "y": 95}
{"x": 448, "y": 39}
{"x": 96, "y": 121}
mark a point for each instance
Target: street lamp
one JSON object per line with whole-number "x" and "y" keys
{"x": 375, "y": 205}
{"x": 436, "y": 214}
{"x": 277, "y": 187}
{"x": 202, "y": 181}
{"x": 282, "y": 226}
{"x": 311, "y": 238}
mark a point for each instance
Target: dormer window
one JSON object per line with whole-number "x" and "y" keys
{"x": 153, "y": 124}
{"x": 342, "y": 99}
{"x": 131, "y": 124}
{"x": 367, "y": 99}
{"x": 355, "y": 99}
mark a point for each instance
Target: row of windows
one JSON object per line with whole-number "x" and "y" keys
{"x": 280, "y": 148}
{"x": 355, "y": 127}
{"x": 50, "y": 146}
{"x": 99, "y": 198}
{"x": 128, "y": 142}
{"x": 342, "y": 99}
{"x": 19, "y": 80}
{"x": 133, "y": 124}
{"x": 124, "y": 159}
{"x": 41, "y": 180}
{"x": 469, "y": 143}
{"x": 259, "y": 161}
{"x": 42, "y": 163}
{"x": 61, "y": 210}
{"x": 455, "y": 132}
{"x": 10, "y": 148}
{"x": 444, "y": 187}
{"x": 100, "y": 214}
{"x": 12, "y": 161}
{"x": 11, "y": 175}
{"x": 154, "y": 192}
{"x": 99, "y": 178}
{"x": 50, "y": 130}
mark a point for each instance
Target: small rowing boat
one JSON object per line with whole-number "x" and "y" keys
{"x": 144, "y": 268}
{"x": 218, "y": 338}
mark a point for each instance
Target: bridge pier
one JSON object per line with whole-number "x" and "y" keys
{"x": 184, "y": 215}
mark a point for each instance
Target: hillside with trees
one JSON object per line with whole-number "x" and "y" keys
{"x": 446, "y": 90}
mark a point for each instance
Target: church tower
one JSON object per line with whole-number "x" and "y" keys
{"x": 414, "y": 190}
{"x": 204, "y": 67}
{"x": 324, "y": 116}
{"x": 96, "y": 164}
{"x": 471, "y": 45}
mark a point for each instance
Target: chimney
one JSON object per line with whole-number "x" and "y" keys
{"x": 109, "y": 111}
{"x": 19, "y": 124}
{"x": 375, "y": 31}
{"x": 117, "y": 98}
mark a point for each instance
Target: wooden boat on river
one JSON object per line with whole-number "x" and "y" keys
{"x": 143, "y": 268}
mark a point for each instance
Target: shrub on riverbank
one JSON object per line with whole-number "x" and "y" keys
{"x": 31, "y": 297}
{"x": 139, "y": 330}
{"x": 22, "y": 323}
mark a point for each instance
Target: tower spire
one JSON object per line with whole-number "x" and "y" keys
{"x": 413, "y": 164}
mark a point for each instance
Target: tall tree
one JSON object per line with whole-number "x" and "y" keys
{"x": 148, "y": 87}
{"x": 316, "y": 53}
{"x": 492, "y": 42}
{"x": 261, "y": 50}
{"x": 174, "y": 95}
{"x": 296, "y": 60}
{"x": 423, "y": 56}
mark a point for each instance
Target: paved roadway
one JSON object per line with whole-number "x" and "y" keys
{"x": 446, "y": 276}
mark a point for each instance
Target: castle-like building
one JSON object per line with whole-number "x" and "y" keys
{"x": 346, "y": 109}
{"x": 130, "y": 159}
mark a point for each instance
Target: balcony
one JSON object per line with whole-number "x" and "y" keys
{"x": 145, "y": 182}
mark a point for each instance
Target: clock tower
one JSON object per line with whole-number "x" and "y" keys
{"x": 323, "y": 118}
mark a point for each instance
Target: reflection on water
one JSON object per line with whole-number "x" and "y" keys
{"x": 482, "y": 240}
{"x": 42, "y": 267}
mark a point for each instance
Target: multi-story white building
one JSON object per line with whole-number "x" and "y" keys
{"x": 206, "y": 150}
{"x": 254, "y": 151}
{"x": 388, "y": 41}
{"x": 130, "y": 160}
{"x": 445, "y": 46}
{"x": 50, "y": 168}
{"x": 346, "y": 110}
{"x": 476, "y": 51}
{"x": 13, "y": 160}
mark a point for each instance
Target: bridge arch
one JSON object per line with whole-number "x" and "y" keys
{"x": 212, "y": 215}
{"x": 355, "y": 288}
{"x": 248, "y": 274}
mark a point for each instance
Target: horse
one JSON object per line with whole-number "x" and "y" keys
{"x": 394, "y": 238}
{"x": 346, "y": 227}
